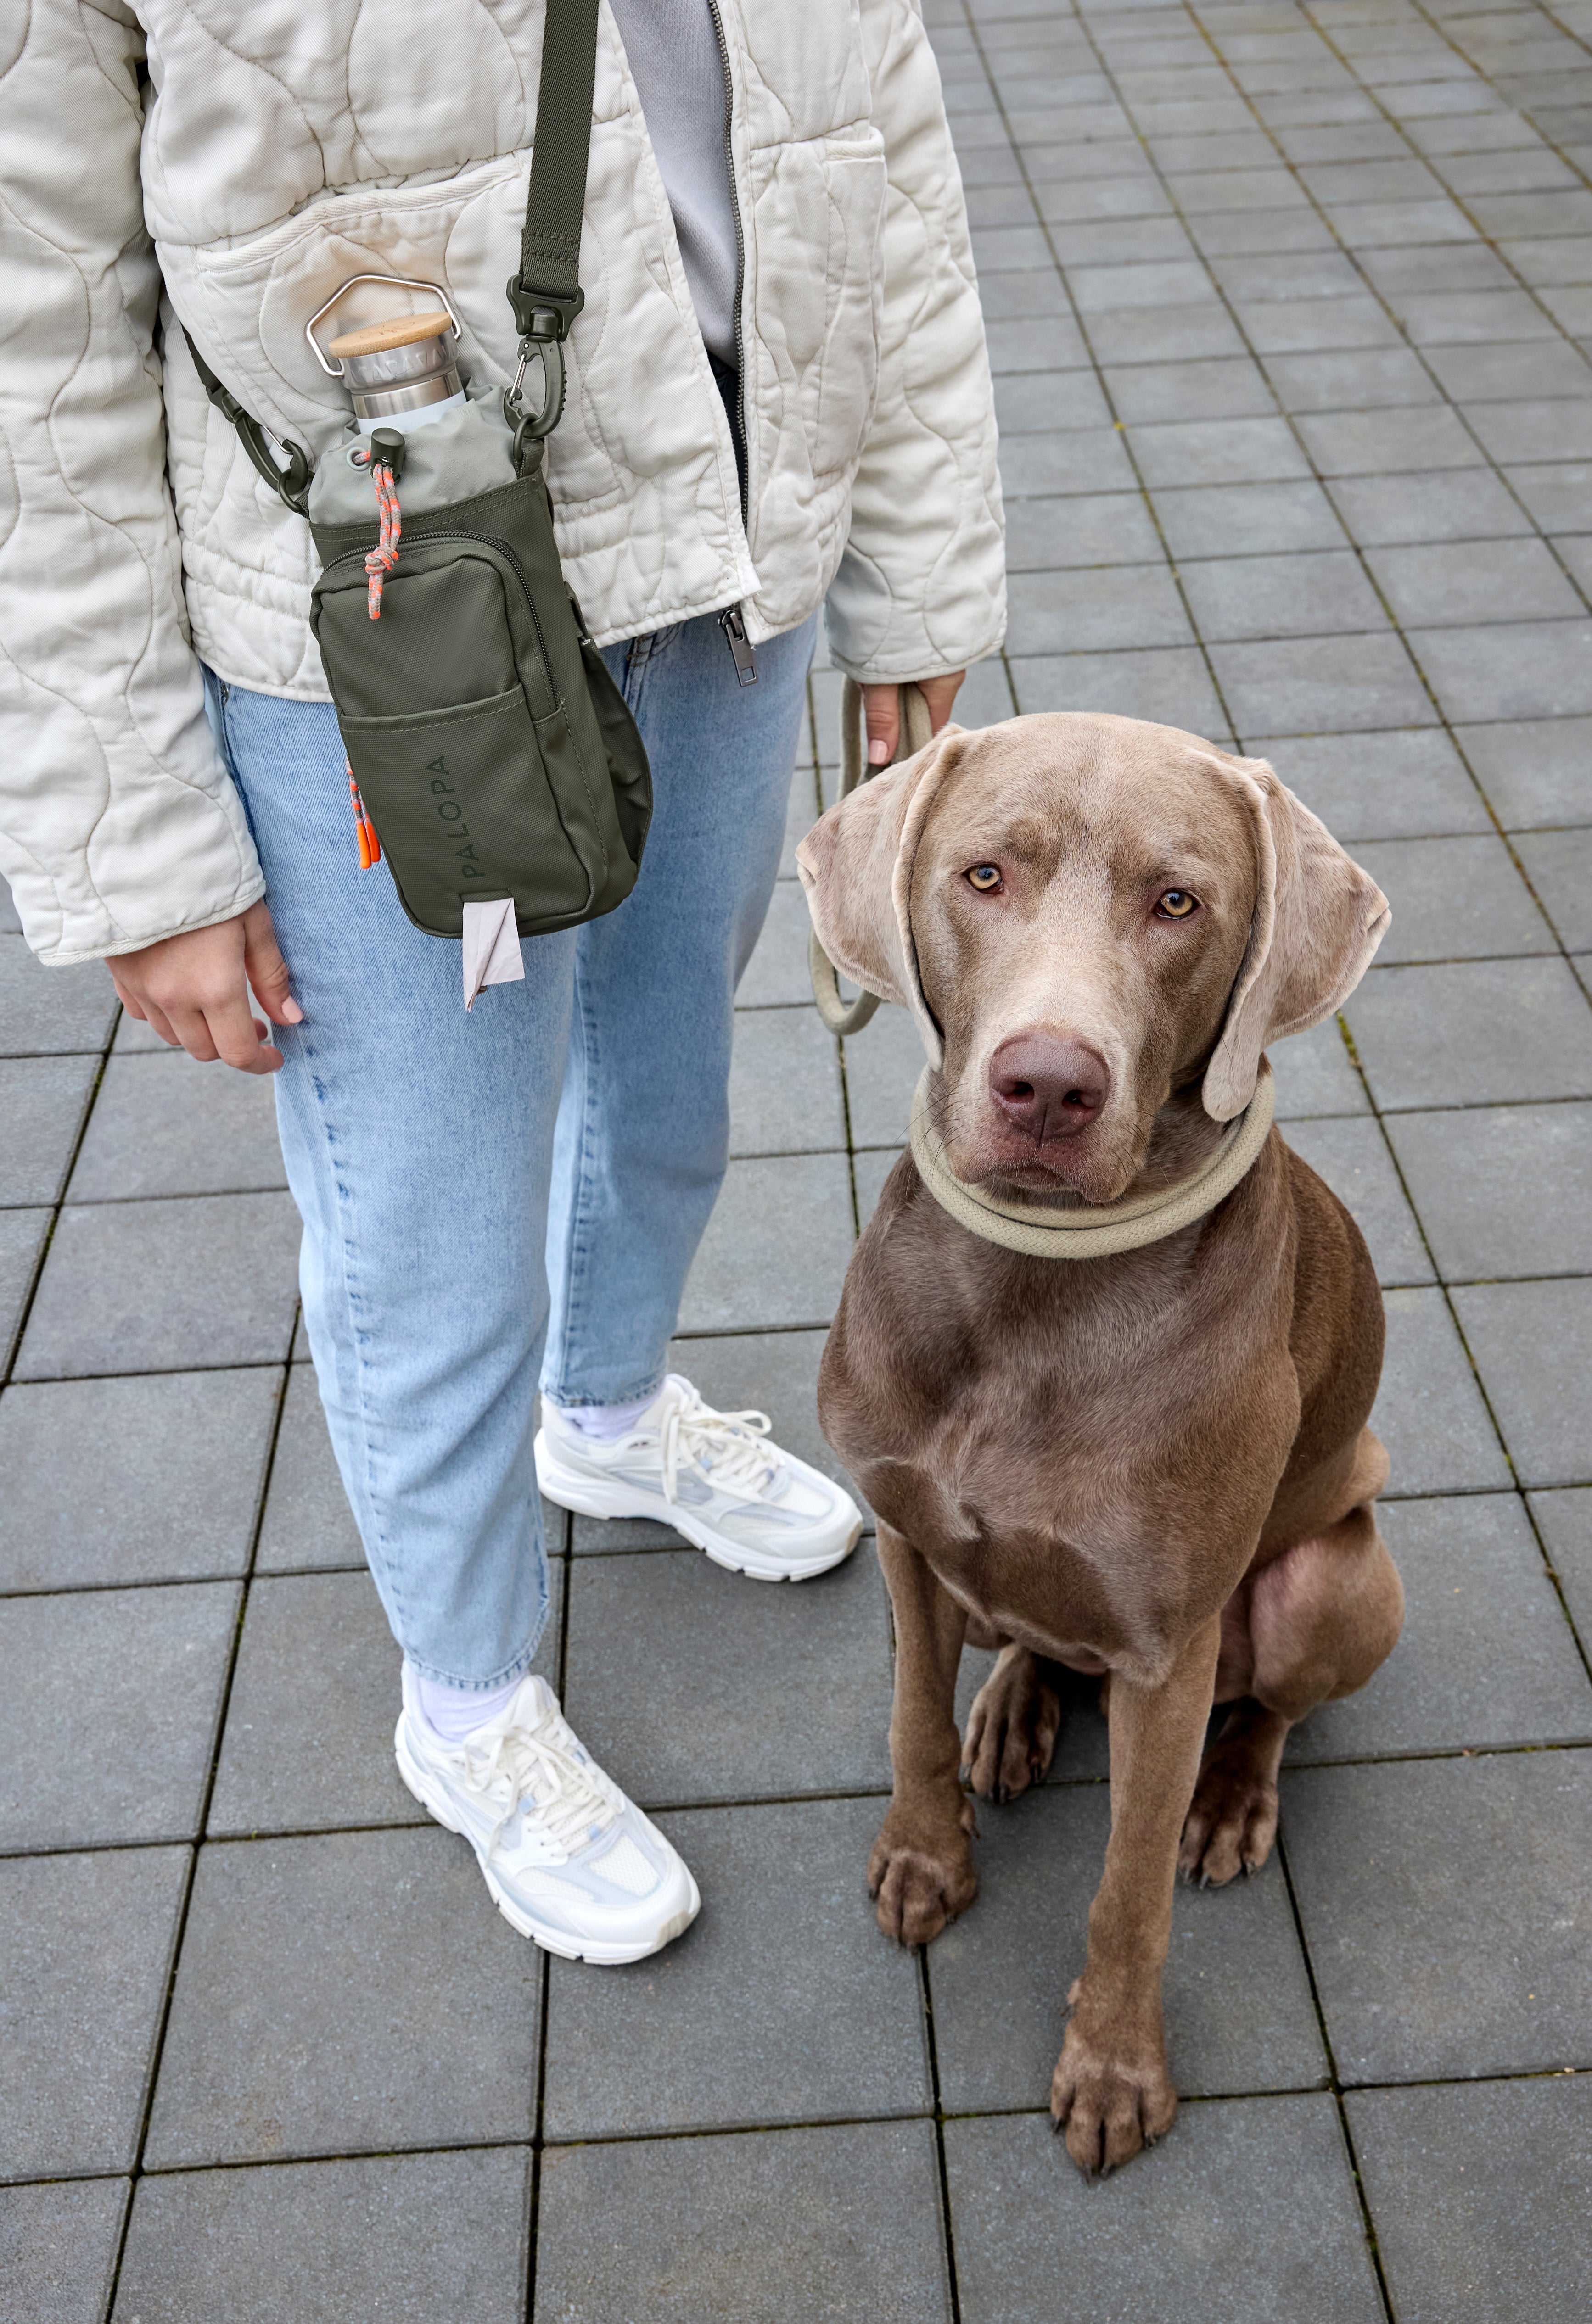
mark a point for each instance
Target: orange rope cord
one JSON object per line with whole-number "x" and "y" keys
{"x": 370, "y": 846}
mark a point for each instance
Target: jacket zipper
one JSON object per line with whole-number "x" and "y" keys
{"x": 733, "y": 621}
{"x": 506, "y": 551}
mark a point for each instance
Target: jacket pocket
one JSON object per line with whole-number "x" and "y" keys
{"x": 462, "y": 804}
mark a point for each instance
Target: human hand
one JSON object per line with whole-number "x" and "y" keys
{"x": 194, "y": 989}
{"x": 881, "y": 711}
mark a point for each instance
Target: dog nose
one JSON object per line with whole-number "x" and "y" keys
{"x": 1046, "y": 1086}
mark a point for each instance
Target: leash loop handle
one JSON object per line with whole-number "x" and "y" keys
{"x": 842, "y": 1017}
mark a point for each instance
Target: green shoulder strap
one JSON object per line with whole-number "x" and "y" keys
{"x": 545, "y": 293}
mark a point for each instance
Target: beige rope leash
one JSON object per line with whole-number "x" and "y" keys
{"x": 1094, "y": 1233}
{"x": 914, "y": 732}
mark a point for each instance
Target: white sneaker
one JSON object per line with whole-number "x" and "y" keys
{"x": 712, "y": 1476}
{"x": 570, "y": 1862}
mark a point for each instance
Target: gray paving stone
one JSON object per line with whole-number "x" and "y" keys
{"x": 1471, "y": 581}
{"x": 1361, "y": 376}
{"x": 776, "y": 1248}
{"x": 785, "y": 1084}
{"x": 307, "y": 1743}
{"x": 1532, "y": 1345}
{"x": 1445, "y": 1904}
{"x": 1460, "y": 505}
{"x": 1429, "y": 1413}
{"x": 1477, "y": 374}
{"x": 1177, "y": 2235}
{"x": 1218, "y": 452}
{"x": 1091, "y": 529}
{"x": 1409, "y": 784}
{"x": 784, "y": 2002}
{"x": 1502, "y": 1190}
{"x": 1390, "y": 442}
{"x": 307, "y": 1523}
{"x": 1454, "y": 898}
{"x": 1030, "y": 402}
{"x": 1222, "y": 389}
{"x": 1321, "y": 685}
{"x": 343, "y": 1991}
{"x": 1559, "y": 495}
{"x": 1451, "y": 318}
{"x": 1247, "y": 520}
{"x": 51, "y": 1011}
{"x": 1175, "y": 333}
{"x": 1238, "y": 2010}
{"x": 1036, "y": 343}
{"x": 164, "y": 1286}
{"x": 166, "y": 1126}
{"x": 1022, "y": 295}
{"x": 1352, "y": 1158}
{"x": 143, "y": 1480}
{"x": 1075, "y": 460}
{"x": 1472, "y": 1033}
{"x": 42, "y": 1102}
{"x": 429, "y": 2238}
{"x": 1559, "y": 865}
{"x": 883, "y": 1063}
{"x": 1555, "y": 428}
{"x": 776, "y": 975}
{"x": 1280, "y": 596}
{"x": 1533, "y": 770}
{"x": 1565, "y": 1522}
{"x": 1289, "y": 326}
{"x": 841, "y": 2222}
{"x": 1169, "y": 685}
{"x": 1231, "y": 234}
{"x": 1458, "y": 2236}
{"x": 21, "y": 1239}
{"x": 58, "y": 2248}
{"x": 1316, "y": 1075}
{"x": 703, "y": 1727}
{"x": 86, "y": 1941}
{"x": 146, "y": 1667}
{"x": 1118, "y": 605}
{"x": 1518, "y": 669}
{"x": 1486, "y": 1658}
{"x": 10, "y": 919}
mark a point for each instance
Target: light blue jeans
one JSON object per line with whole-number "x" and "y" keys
{"x": 521, "y": 1189}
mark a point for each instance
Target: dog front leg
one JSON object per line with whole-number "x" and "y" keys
{"x": 1111, "y": 2092}
{"x": 921, "y": 1867}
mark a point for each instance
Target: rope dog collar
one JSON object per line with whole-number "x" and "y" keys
{"x": 1096, "y": 1233}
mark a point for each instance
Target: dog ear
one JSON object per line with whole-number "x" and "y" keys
{"x": 856, "y": 867}
{"x": 1318, "y": 920}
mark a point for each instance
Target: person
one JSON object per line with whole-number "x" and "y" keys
{"x": 779, "y": 398}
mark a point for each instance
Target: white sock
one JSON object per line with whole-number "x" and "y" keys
{"x": 452, "y": 1712}
{"x": 606, "y": 1423}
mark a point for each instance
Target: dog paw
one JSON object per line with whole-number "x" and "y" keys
{"x": 1108, "y": 2106}
{"x": 1012, "y": 1727}
{"x": 920, "y": 1883}
{"x": 1230, "y": 1826}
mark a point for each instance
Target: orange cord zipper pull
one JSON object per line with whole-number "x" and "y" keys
{"x": 370, "y": 846}
{"x": 380, "y": 560}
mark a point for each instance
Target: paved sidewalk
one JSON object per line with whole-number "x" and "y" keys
{"x": 1290, "y": 309}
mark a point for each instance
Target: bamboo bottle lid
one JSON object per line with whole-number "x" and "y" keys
{"x": 403, "y": 331}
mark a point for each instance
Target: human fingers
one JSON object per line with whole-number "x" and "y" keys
{"x": 266, "y": 968}
{"x": 882, "y": 719}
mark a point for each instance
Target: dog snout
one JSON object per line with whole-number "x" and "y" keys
{"x": 1046, "y": 1086}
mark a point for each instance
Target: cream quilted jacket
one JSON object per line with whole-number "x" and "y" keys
{"x": 231, "y": 162}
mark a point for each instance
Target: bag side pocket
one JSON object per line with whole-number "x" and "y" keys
{"x": 461, "y": 804}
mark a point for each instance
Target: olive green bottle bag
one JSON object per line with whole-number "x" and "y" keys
{"x": 494, "y": 754}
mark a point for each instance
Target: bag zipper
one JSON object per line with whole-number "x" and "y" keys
{"x": 506, "y": 551}
{"x": 732, "y": 621}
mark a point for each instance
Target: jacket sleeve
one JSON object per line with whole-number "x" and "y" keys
{"x": 921, "y": 589}
{"x": 118, "y": 823}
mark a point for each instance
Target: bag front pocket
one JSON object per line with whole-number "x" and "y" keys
{"x": 461, "y": 802}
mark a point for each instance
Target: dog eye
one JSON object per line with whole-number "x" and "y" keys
{"x": 1176, "y": 905}
{"x": 985, "y": 878}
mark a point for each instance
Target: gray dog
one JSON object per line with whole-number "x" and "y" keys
{"x": 1107, "y": 1351}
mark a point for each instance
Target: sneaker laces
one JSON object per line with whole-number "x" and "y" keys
{"x": 728, "y": 1446}
{"x": 574, "y": 1799}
